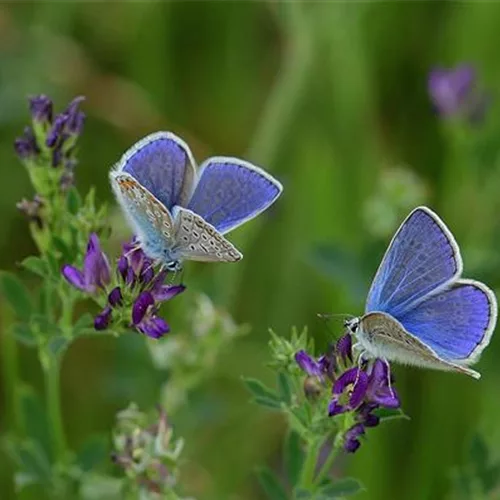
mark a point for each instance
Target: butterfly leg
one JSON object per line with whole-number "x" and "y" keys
{"x": 389, "y": 382}
{"x": 360, "y": 362}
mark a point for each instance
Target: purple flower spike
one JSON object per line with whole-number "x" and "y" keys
{"x": 102, "y": 320}
{"x": 379, "y": 390}
{"x": 96, "y": 271}
{"x": 357, "y": 381}
{"x": 308, "y": 364}
{"x": 41, "y": 108}
{"x": 344, "y": 347}
{"x": 351, "y": 441}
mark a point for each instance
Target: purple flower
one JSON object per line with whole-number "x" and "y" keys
{"x": 379, "y": 390}
{"x": 353, "y": 381}
{"x": 144, "y": 317}
{"x": 308, "y": 364}
{"x": 95, "y": 273}
{"x": 55, "y": 135}
{"x": 26, "y": 146}
{"x": 76, "y": 118}
{"x": 453, "y": 92}
{"x": 351, "y": 441}
{"x": 102, "y": 320}
{"x": 344, "y": 347}
{"x": 41, "y": 108}
{"x": 115, "y": 297}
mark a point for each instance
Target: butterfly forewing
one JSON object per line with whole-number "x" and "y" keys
{"x": 232, "y": 191}
{"x": 198, "y": 240}
{"x": 422, "y": 258}
{"x": 164, "y": 165}
{"x": 149, "y": 217}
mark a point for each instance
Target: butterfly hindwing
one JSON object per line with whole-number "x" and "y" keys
{"x": 163, "y": 164}
{"x": 385, "y": 337}
{"x": 457, "y": 323}
{"x": 196, "y": 239}
{"x": 422, "y": 258}
{"x": 150, "y": 219}
{"x": 231, "y": 191}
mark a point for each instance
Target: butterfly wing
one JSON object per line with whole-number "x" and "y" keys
{"x": 456, "y": 323}
{"x": 231, "y": 191}
{"x": 422, "y": 258}
{"x": 196, "y": 239}
{"x": 164, "y": 165}
{"x": 151, "y": 221}
{"x": 383, "y": 336}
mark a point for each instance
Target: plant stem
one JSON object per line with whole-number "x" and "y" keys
{"x": 309, "y": 467}
{"x": 52, "y": 367}
{"x": 327, "y": 465}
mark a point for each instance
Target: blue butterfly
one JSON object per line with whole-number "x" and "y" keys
{"x": 419, "y": 311}
{"x": 179, "y": 212}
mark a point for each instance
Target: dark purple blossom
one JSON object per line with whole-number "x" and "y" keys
{"x": 144, "y": 317}
{"x": 379, "y": 389}
{"x": 351, "y": 441}
{"x": 115, "y": 297}
{"x": 454, "y": 92}
{"x": 41, "y": 108}
{"x": 55, "y": 135}
{"x": 26, "y": 146}
{"x": 76, "y": 118}
{"x": 351, "y": 385}
{"x": 344, "y": 347}
{"x": 308, "y": 364}
{"x": 95, "y": 273}
{"x": 102, "y": 320}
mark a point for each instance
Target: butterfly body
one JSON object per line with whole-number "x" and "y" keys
{"x": 419, "y": 310}
{"x": 180, "y": 213}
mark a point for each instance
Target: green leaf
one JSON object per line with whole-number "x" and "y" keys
{"x": 83, "y": 323}
{"x": 268, "y": 403}
{"x": 23, "y": 333}
{"x": 302, "y": 494}
{"x": 16, "y": 294}
{"x": 271, "y": 485}
{"x": 36, "y": 265}
{"x": 386, "y": 414}
{"x": 284, "y": 388}
{"x": 294, "y": 456}
{"x": 343, "y": 487}
{"x": 73, "y": 200}
{"x": 44, "y": 327}
{"x": 98, "y": 486}
{"x": 259, "y": 390}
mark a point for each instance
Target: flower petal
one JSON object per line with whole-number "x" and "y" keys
{"x": 335, "y": 408}
{"x": 101, "y": 321}
{"x": 154, "y": 327}
{"x": 167, "y": 292}
{"x": 140, "y": 306}
{"x": 344, "y": 347}
{"x": 308, "y": 364}
{"x": 115, "y": 297}
{"x": 74, "y": 277}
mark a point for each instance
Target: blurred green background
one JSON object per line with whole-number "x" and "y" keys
{"x": 332, "y": 99}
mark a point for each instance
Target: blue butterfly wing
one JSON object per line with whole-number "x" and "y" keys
{"x": 164, "y": 165}
{"x": 457, "y": 323}
{"x": 231, "y": 191}
{"x": 422, "y": 258}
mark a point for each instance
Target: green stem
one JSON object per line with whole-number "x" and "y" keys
{"x": 327, "y": 465}
{"x": 309, "y": 467}
{"x": 52, "y": 368}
